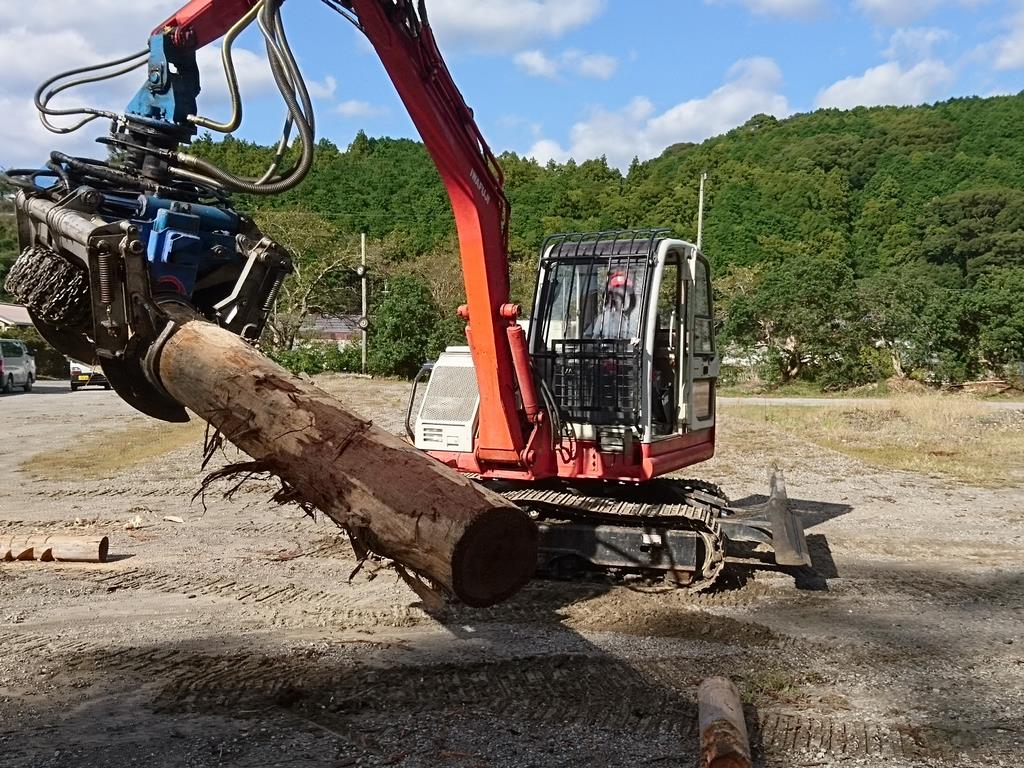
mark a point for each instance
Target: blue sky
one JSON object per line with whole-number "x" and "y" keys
{"x": 560, "y": 78}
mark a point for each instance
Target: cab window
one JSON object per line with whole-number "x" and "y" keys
{"x": 703, "y": 325}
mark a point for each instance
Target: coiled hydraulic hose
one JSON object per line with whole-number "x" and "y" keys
{"x": 230, "y": 76}
{"x": 289, "y": 82}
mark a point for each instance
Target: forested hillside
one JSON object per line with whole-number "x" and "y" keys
{"x": 847, "y": 246}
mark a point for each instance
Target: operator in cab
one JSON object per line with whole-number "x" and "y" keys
{"x": 620, "y": 316}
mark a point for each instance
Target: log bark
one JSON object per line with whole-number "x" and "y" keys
{"x": 723, "y": 731}
{"x": 392, "y": 499}
{"x": 76, "y": 549}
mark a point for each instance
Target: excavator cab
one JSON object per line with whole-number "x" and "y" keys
{"x": 622, "y": 336}
{"x": 621, "y": 345}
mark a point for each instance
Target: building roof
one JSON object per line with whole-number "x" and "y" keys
{"x": 344, "y": 324}
{"x": 14, "y": 314}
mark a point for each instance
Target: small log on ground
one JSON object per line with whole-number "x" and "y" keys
{"x": 70, "y": 549}
{"x": 723, "y": 731}
{"x": 393, "y": 500}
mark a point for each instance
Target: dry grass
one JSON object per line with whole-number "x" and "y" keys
{"x": 932, "y": 434}
{"x": 105, "y": 453}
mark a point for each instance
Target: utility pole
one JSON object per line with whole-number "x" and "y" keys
{"x": 700, "y": 210}
{"x": 364, "y": 320}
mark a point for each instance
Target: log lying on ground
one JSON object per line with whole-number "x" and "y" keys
{"x": 723, "y": 731}
{"x": 394, "y": 500}
{"x": 71, "y": 549}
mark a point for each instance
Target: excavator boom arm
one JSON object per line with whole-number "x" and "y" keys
{"x": 405, "y": 44}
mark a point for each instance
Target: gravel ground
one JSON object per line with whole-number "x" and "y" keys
{"x": 238, "y": 639}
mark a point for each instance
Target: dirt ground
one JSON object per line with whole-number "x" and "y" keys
{"x": 236, "y": 638}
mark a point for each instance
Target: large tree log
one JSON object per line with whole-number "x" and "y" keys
{"x": 77, "y": 549}
{"x": 393, "y": 499}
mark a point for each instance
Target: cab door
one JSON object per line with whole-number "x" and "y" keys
{"x": 702, "y": 360}
{"x": 667, "y": 321}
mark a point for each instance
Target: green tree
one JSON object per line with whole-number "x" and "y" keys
{"x": 403, "y": 328}
{"x": 945, "y": 339}
{"x": 8, "y": 241}
{"x": 889, "y": 307}
{"x": 323, "y": 281}
{"x": 800, "y": 312}
{"x": 974, "y": 231}
{"x": 997, "y": 301}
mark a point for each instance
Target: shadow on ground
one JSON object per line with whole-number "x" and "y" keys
{"x": 563, "y": 675}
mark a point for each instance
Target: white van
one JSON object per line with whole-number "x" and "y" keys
{"x": 17, "y": 366}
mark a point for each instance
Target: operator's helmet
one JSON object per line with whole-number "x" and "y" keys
{"x": 621, "y": 284}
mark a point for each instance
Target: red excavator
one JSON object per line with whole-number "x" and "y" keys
{"x": 578, "y": 418}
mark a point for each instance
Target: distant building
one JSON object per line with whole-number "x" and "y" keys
{"x": 14, "y": 316}
{"x": 342, "y": 330}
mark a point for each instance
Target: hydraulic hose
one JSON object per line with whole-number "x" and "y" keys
{"x": 230, "y": 76}
{"x": 42, "y": 101}
{"x": 289, "y": 80}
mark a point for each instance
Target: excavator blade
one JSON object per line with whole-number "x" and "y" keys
{"x": 772, "y": 525}
{"x": 788, "y": 538}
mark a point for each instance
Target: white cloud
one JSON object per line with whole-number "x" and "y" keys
{"x": 112, "y": 26}
{"x": 22, "y": 71}
{"x": 519, "y": 123}
{"x": 888, "y": 84}
{"x": 498, "y": 25}
{"x": 898, "y": 13}
{"x": 356, "y": 108}
{"x": 752, "y": 87}
{"x": 251, "y": 69}
{"x": 539, "y": 64}
{"x": 1009, "y": 49}
{"x": 787, "y": 9}
{"x": 324, "y": 90}
{"x": 915, "y": 43}
{"x": 597, "y": 65}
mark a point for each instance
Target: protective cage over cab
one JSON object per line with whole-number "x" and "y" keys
{"x": 622, "y": 345}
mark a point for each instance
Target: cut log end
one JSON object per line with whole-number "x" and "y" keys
{"x": 488, "y": 564}
{"x": 104, "y": 549}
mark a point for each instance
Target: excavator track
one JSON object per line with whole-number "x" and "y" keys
{"x": 662, "y": 519}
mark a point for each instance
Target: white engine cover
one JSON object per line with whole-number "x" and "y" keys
{"x": 448, "y": 414}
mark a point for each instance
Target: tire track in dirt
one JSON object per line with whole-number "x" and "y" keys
{"x": 538, "y": 604}
{"x": 133, "y": 488}
{"x": 640, "y": 698}
{"x": 336, "y": 607}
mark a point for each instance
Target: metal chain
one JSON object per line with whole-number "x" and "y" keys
{"x": 50, "y": 286}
